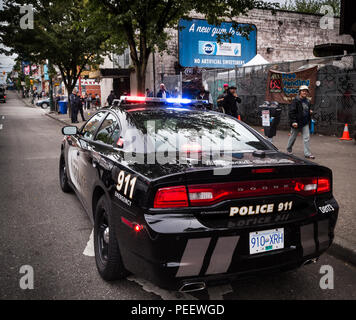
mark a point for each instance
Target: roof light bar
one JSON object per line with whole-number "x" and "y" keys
{"x": 178, "y": 100}
{"x": 161, "y": 100}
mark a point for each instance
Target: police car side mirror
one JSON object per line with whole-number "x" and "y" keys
{"x": 69, "y": 130}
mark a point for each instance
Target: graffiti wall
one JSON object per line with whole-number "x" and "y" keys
{"x": 335, "y": 95}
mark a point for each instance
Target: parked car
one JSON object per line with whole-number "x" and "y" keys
{"x": 43, "y": 103}
{"x": 2, "y": 95}
{"x": 165, "y": 211}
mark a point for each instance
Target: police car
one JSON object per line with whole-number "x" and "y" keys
{"x": 187, "y": 197}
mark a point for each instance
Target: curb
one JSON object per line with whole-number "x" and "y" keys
{"x": 50, "y": 115}
{"x": 53, "y": 117}
{"x": 346, "y": 254}
{"x": 24, "y": 101}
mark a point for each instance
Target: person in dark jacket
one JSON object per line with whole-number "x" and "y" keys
{"x": 81, "y": 106}
{"x": 149, "y": 93}
{"x": 220, "y": 99}
{"x": 162, "y": 92}
{"x": 230, "y": 102}
{"x": 299, "y": 118}
{"x": 74, "y": 101}
{"x": 56, "y": 100}
{"x": 111, "y": 98}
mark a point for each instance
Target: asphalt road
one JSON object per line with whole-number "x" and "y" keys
{"x": 42, "y": 227}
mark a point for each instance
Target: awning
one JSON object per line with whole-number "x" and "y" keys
{"x": 257, "y": 60}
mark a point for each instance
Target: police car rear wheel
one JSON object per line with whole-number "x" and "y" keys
{"x": 63, "y": 178}
{"x": 107, "y": 254}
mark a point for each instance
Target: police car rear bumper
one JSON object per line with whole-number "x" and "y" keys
{"x": 170, "y": 254}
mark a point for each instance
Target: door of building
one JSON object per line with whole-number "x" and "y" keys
{"x": 121, "y": 86}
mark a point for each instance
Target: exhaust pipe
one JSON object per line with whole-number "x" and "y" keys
{"x": 192, "y": 286}
{"x": 314, "y": 260}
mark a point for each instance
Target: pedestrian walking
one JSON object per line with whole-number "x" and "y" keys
{"x": 74, "y": 101}
{"x": 299, "y": 118}
{"x": 85, "y": 98}
{"x": 220, "y": 99}
{"x": 97, "y": 101}
{"x": 162, "y": 92}
{"x": 88, "y": 101}
{"x": 230, "y": 102}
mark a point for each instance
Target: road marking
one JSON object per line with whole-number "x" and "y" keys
{"x": 3, "y": 117}
{"x": 1, "y": 126}
{"x": 89, "y": 249}
{"x": 215, "y": 293}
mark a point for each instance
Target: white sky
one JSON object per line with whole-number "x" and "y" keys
{"x": 6, "y": 64}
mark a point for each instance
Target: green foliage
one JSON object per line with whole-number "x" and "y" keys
{"x": 311, "y": 6}
{"x": 63, "y": 33}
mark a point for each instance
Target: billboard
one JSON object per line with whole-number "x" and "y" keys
{"x": 199, "y": 46}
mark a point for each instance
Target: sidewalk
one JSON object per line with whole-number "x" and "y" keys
{"x": 340, "y": 156}
{"x": 66, "y": 120}
{"x": 26, "y": 101}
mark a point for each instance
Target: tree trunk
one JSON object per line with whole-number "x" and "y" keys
{"x": 141, "y": 77}
{"x": 69, "y": 91}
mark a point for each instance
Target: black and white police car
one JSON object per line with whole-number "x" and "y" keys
{"x": 186, "y": 197}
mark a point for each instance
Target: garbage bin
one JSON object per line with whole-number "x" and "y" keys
{"x": 62, "y": 107}
{"x": 271, "y": 116}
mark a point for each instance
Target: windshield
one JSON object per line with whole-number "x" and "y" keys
{"x": 182, "y": 130}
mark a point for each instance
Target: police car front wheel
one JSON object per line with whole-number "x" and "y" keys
{"x": 107, "y": 253}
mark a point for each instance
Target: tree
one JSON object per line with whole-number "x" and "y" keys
{"x": 63, "y": 34}
{"x": 310, "y": 6}
{"x": 143, "y": 24}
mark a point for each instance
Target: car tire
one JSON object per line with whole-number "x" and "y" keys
{"x": 107, "y": 254}
{"x": 63, "y": 178}
{"x": 44, "y": 105}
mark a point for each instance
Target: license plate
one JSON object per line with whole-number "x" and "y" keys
{"x": 266, "y": 240}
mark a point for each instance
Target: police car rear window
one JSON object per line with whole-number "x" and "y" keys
{"x": 175, "y": 129}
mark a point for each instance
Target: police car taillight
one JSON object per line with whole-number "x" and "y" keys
{"x": 171, "y": 197}
{"x": 209, "y": 194}
{"x": 324, "y": 185}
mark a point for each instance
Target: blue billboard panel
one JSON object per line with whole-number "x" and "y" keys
{"x": 199, "y": 46}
